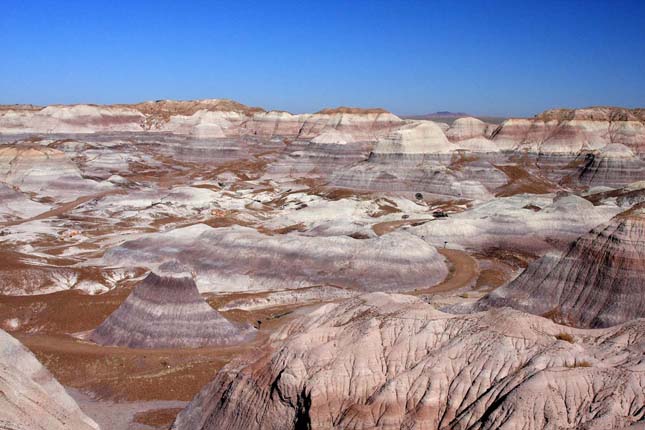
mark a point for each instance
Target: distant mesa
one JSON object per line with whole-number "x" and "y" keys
{"x": 351, "y": 110}
{"x": 166, "y": 311}
{"x": 443, "y": 114}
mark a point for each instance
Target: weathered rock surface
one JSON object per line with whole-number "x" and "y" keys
{"x": 167, "y": 312}
{"x": 31, "y": 398}
{"x": 242, "y": 259}
{"x": 394, "y": 362}
{"x": 598, "y": 282}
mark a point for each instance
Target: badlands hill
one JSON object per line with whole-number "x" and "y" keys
{"x": 31, "y": 399}
{"x": 598, "y": 282}
{"x": 392, "y": 362}
{"x": 167, "y": 312}
{"x": 285, "y": 221}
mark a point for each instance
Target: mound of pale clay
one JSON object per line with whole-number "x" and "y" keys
{"x": 242, "y": 259}
{"x": 598, "y": 282}
{"x": 167, "y": 312}
{"x": 469, "y": 128}
{"x": 30, "y": 397}
{"x": 418, "y": 137}
{"x": 384, "y": 361}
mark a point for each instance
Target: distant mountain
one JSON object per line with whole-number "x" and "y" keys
{"x": 448, "y": 117}
{"x": 440, "y": 114}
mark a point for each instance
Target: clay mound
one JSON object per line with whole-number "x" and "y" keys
{"x": 167, "y": 312}
{"x": 598, "y": 282}
{"x": 30, "y": 397}
{"x": 385, "y": 361}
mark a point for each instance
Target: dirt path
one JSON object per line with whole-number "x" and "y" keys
{"x": 464, "y": 271}
{"x": 382, "y": 228}
{"x": 62, "y": 209}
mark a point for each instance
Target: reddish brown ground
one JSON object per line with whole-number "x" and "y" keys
{"x": 159, "y": 418}
{"x": 117, "y": 373}
{"x": 463, "y": 272}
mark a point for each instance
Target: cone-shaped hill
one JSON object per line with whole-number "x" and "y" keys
{"x": 167, "y": 312}
{"x": 598, "y": 282}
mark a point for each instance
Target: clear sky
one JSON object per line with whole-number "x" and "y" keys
{"x": 483, "y": 57}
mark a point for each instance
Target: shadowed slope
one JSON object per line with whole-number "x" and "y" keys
{"x": 597, "y": 283}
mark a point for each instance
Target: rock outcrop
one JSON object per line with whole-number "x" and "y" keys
{"x": 167, "y": 312}
{"x": 598, "y": 282}
{"x": 392, "y": 362}
{"x": 31, "y": 399}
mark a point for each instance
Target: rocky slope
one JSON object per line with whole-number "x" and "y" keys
{"x": 391, "y": 362}
{"x": 598, "y": 282}
{"x": 31, "y": 398}
{"x": 167, "y": 312}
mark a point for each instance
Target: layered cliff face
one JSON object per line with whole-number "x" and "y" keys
{"x": 168, "y": 312}
{"x": 388, "y": 362}
{"x": 598, "y": 282}
{"x": 242, "y": 259}
{"x": 31, "y": 398}
{"x": 569, "y": 131}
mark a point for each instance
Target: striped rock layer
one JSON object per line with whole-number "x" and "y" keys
{"x": 598, "y": 282}
{"x": 167, "y": 312}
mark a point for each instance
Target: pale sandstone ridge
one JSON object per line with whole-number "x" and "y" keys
{"x": 167, "y": 312}
{"x": 30, "y": 397}
{"x": 385, "y": 361}
{"x": 569, "y": 131}
{"x": 598, "y": 282}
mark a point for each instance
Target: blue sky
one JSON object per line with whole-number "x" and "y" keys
{"x": 482, "y": 57}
